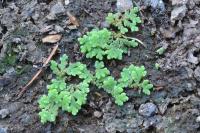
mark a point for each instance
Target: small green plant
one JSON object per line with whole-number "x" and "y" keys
{"x": 100, "y": 43}
{"x": 95, "y": 44}
{"x": 70, "y": 97}
{"x": 60, "y": 95}
{"x": 112, "y": 45}
{"x": 109, "y": 84}
{"x": 125, "y": 21}
{"x": 133, "y": 77}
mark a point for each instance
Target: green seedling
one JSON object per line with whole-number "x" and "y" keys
{"x": 95, "y": 42}
{"x": 109, "y": 84}
{"x": 98, "y": 44}
{"x": 133, "y": 77}
{"x": 70, "y": 97}
{"x": 125, "y": 21}
{"x": 101, "y": 43}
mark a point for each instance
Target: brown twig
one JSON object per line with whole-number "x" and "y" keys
{"x": 39, "y": 72}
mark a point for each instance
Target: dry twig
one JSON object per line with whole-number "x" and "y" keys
{"x": 38, "y": 73}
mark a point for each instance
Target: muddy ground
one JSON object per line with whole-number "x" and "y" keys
{"x": 174, "y": 105}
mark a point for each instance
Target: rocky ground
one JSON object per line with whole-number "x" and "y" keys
{"x": 174, "y": 105}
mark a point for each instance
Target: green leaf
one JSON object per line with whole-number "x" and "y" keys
{"x": 146, "y": 87}
{"x": 99, "y": 64}
{"x": 100, "y": 71}
{"x": 126, "y": 78}
{"x": 109, "y": 83}
{"x": 74, "y": 107}
{"x": 123, "y": 22}
{"x": 94, "y": 43}
{"x": 48, "y": 115}
{"x": 138, "y": 73}
{"x": 79, "y": 69}
{"x": 63, "y": 62}
{"x": 64, "y": 97}
{"x": 133, "y": 77}
{"x": 114, "y": 53}
{"x": 54, "y": 67}
{"x": 44, "y": 115}
{"x": 58, "y": 84}
{"x": 119, "y": 95}
{"x": 44, "y": 101}
{"x": 110, "y": 18}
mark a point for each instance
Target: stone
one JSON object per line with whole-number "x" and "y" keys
{"x": 67, "y": 2}
{"x": 197, "y": 73}
{"x": 155, "y": 4}
{"x": 26, "y": 119}
{"x": 58, "y": 29}
{"x": 152, "y": 121}
{"x": 3, "y": 129}
{"x": 179, "y": 2}
{"x": 168, "y": 33}
{"x": 148, "y": 109}
{"x": 198, "y": 119}
{"x": 192, "y": 59}
{"x": 4, "y": 81}
{"x": 97, "y": 114}
{"x": 57, "y": 9}
{"x": 163, "y": 106}
{"x": 123, "y": 5}
{"x": 17, "y": 40}
{"x": 178, "y": 13}
{"x": 4, "y": 113}
{"x": 14, "y": 107}
{"x": 104, "y": 24}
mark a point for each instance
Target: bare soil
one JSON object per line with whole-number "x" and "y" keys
{"x": 23, "y": 24}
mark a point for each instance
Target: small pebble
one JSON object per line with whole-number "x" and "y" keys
{"x": 57, "y": 8}
{"x": 123, "y": 5}
{"x": 97, "y": 114}
{"x": 3, "y": 129}
{"x": 58, "y": 29}
{"x": 148, "y": 109}
{"x": 3, "y": 113}
{"x": 198, "y": 119}
{"x": 67, "y": 2}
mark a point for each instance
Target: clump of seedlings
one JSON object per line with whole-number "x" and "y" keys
{"x": 98, "y": 44}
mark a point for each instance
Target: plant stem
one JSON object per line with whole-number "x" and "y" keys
{"x": 135, "y": 40}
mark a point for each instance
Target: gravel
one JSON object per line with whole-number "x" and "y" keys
{"x": 178, "y": 13}
{"x": 148, "y": 109}
{"x": 3, "y": 129}
{"x": 4, "y": 113}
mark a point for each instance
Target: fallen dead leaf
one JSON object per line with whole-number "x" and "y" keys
{"x": 51, "y": 38}
{"x": 73, "y": 19}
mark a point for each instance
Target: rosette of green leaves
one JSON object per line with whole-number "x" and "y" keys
{"x": 69, "y": 98}
{"x": 95, "y": 42}
{"x": 133, "y": 76}
{"x": 100, "y": 43}
{"x": 125, "y": 21}
{"x": 109, "y": 84}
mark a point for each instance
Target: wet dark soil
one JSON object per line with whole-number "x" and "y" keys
{"x": 173, "y": 106}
